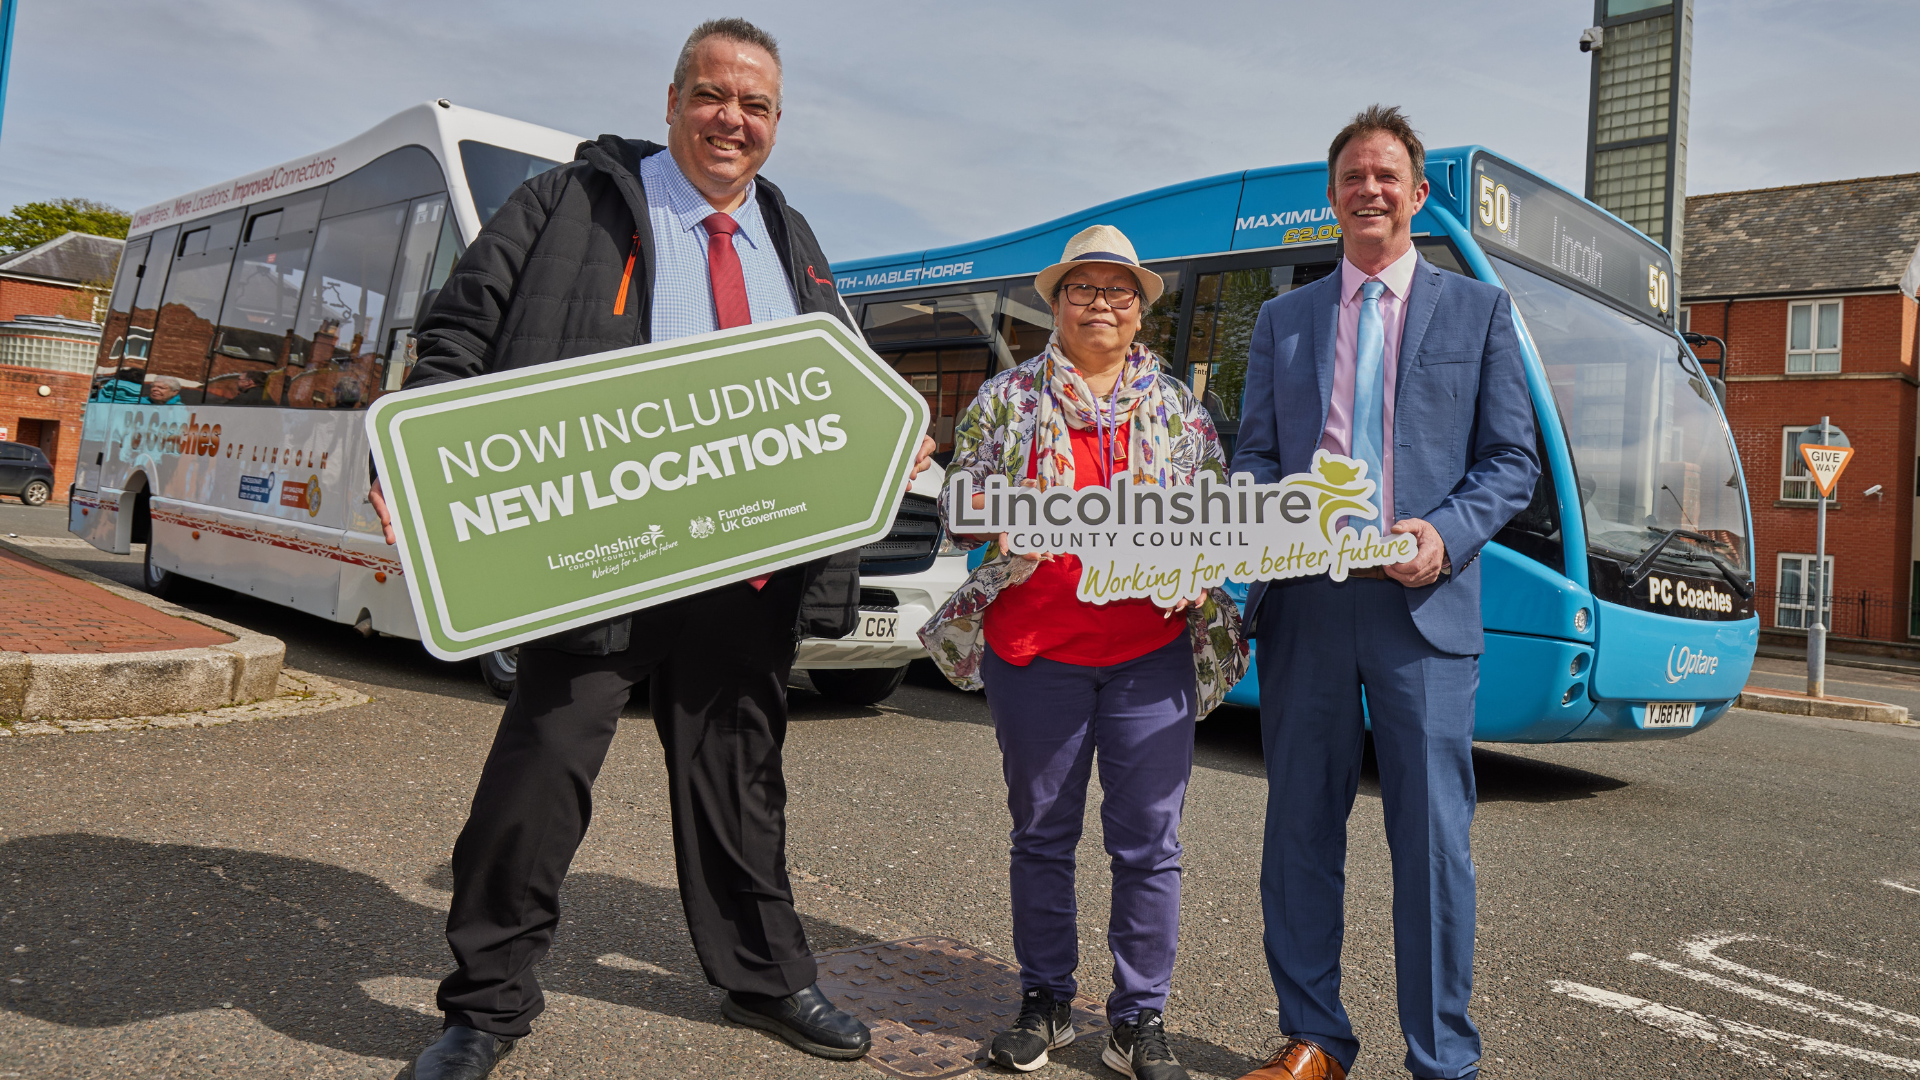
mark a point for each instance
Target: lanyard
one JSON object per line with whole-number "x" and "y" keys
{"x": 1108, "y": 427}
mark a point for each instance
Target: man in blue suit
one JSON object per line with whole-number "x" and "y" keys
{"x": 1416, "y": 372}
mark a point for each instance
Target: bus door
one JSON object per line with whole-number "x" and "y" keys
{"x": 943, "y": 343}
{"x": 1214, "y": 327}
{"x": 1208, "y": 332}
{"x": 153, "y": 429}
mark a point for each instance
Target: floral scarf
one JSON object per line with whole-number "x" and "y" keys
{"x": 1139, "y": 399}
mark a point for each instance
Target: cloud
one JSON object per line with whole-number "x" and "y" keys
{"x": 909, "y": 126}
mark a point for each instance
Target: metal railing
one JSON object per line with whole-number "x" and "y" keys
{"x": 1862, "y": 614}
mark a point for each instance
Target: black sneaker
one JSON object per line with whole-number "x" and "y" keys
{"x": 1044, "y": 1024}
{"x": 1138, "y": 1048}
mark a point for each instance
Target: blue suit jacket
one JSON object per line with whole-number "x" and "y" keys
{"x": 1463, "y": 433}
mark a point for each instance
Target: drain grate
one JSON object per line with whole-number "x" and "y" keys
{"x": 934, "y": 1003}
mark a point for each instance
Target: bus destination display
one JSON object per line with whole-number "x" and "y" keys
{"x": 1517, "y": 214}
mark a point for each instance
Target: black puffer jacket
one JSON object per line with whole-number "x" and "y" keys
{"x": 542, "y": 282}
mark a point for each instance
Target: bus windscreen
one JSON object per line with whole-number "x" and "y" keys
{"x": 1649, "y": 448}
{"x": 493, "y": 172}
{"x": 1518, "y": 215}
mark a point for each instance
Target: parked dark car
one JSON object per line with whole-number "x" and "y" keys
{"x": 26, "y": 472}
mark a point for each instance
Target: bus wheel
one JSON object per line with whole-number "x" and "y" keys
{"x": 36, "y": 493}
{"x": 499, "y": 669}
{"x": 858, "y": 686}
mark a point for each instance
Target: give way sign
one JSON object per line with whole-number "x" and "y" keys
{"x": 1826, "y": 463}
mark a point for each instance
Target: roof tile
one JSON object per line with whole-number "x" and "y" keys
{"x": 1839, "y": 234}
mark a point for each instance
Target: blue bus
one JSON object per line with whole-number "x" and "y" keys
{"x": 1619, "y": 604}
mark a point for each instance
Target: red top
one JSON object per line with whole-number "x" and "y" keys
{"x": 1042, "y": 617}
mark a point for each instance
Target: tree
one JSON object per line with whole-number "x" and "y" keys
{"x": 38, "y": 222}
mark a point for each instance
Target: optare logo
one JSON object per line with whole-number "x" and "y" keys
{"x": 1682, "y": 662}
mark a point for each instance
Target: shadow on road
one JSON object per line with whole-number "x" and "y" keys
{"x": 118, "y": 931}
{"x": 101, "y": 932}
{"x": 1511, "y": 778}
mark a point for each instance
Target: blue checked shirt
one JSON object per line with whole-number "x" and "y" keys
{"x": 682, "y": 293}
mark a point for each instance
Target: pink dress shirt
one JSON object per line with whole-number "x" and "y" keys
{"x": 1338, "y": 436}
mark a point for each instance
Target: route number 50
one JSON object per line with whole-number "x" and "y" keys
{"x": 1659, "y": 294}
{"x": 1496, "y": 206}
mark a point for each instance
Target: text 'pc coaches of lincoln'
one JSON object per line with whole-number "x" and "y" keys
{"x": 1418, "y": 373}
{"x": 630, "y": 243}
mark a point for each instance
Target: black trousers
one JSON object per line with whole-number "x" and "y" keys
{"x": 718, "y": 664}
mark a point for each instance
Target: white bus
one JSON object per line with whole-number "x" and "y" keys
{"x": 250, "y": 324}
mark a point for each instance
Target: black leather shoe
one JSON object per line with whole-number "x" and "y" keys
{"x": 460, "y": 1054}
{"x": 807, "y": 1020}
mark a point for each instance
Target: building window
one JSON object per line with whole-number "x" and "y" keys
{"x": 1813, "y": 336}
{"x": 1793, "y": 601}
{"x": 1796, "y": 484}
{"x": 1686, "y": 319}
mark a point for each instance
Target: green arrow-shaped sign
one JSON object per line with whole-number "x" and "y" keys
{"x": 528, "y": 502}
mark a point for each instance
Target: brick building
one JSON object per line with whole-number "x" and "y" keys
{"x": 61, "y": 289}
{"x": 1812, "y": 288}
{"x": 69, "y": 276}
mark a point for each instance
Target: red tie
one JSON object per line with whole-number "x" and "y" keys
{"x": 723, "y": 269}
{"x": 729, "y": 286}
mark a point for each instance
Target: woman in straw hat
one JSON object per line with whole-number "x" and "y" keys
{"x": 1065, "y": 678}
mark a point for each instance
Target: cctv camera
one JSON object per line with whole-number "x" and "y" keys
{"x": 1872, "y": 492}
{"x": 1591, "y": 39}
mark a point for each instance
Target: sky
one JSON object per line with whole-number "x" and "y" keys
{"x": 910, "y": 125}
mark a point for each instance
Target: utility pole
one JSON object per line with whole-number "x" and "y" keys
{"x": 1637, "y": 114}
{"x": 1817, "y": 633}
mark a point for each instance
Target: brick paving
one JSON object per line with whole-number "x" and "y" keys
{"x": 45, "y": 611}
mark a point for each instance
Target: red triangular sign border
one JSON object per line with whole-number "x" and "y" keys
{"x": 1821, "y": 479}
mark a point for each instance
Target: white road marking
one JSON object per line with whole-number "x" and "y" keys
{"x": 1757, "y": 994}
{"x": 1702, "y": 949}
{"x": 1678, "y": 1022}
{"x": 1684, "y": 1023}
{"x": 1901, "y": 887}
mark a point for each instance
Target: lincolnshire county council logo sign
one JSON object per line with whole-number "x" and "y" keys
{"x": 1146, "y": 540}
{"x": 526, "y": 501}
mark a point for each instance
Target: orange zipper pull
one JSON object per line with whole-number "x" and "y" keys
{"x": 626, "y": 277}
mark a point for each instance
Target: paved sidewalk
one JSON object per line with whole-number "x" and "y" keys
{"x": 1797, "y": 703}
{"x": 75, "y": 646}
{"x": 47, "y": 611}
{"x": 1844, "y": 659}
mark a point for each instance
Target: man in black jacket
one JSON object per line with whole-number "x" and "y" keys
{"x": 633, "y": 242}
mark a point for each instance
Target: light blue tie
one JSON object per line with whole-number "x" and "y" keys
{"x": 1370, "y": 352}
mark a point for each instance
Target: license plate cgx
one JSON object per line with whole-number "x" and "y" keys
{"x": 877, "y": 626}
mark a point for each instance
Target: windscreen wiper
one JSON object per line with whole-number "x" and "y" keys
{"x": 1641, "y": 567}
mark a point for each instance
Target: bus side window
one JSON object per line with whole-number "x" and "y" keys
{"x": 427, "y": 224}
{"x": 1026, "y": 323}
{"x": 256, "y": 325}
{"x": 113, "y": 337}
{"x": 183, "y": 327}
{"x": 346, "y": 301}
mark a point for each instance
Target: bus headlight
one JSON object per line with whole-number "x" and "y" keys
{"x": 1580, "y": 621}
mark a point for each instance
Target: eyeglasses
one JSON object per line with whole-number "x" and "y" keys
{"x": 1119, "y": 297}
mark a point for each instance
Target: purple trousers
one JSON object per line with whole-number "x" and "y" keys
{"x": 1051, "y": 718}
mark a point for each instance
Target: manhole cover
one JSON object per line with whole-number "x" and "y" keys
{"x": 934, "y": 1003}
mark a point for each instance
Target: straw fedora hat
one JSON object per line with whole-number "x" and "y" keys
{"x": 1097, "y": 244}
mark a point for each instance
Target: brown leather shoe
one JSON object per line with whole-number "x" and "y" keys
{"x": 1299, "y": 1059}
